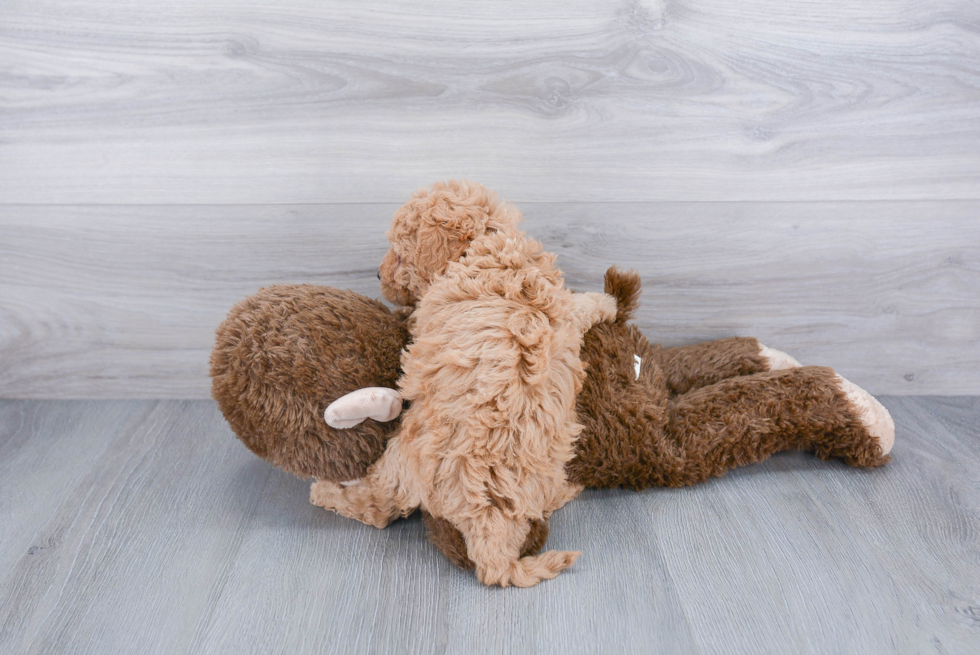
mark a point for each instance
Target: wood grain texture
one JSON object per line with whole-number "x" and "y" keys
{"x": 46, "y": 450}
{"x": 122, "y": 302}
{"x": 241, "y": 101}
{"x": 167, "y": 536}
{"x": 154, "y": 521}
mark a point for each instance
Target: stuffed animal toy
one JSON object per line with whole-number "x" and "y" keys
{"x": 287, "y": 351}
{"x": 651, "y": 415}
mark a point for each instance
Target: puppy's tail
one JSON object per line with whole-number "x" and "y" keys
{"x": 529, "y": 571}
{"x": 624, "y": 286}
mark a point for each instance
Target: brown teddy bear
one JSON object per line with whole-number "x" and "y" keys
{"x": 653, "y": 416}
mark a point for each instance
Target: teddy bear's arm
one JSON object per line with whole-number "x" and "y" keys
{"x": 379, "y": 403}
{"x": 378, "y": 498}
{"x": 696, "y": 366}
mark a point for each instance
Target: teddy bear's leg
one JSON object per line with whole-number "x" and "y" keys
{"x": 378, "y": 498}
{"x": 692, "y": 367}
{"x": 494, "y": 542}
{"x": 746, "y": 419}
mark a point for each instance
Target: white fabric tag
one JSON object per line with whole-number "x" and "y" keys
{"x": 636, "y": 365}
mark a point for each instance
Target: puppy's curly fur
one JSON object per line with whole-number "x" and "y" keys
{"x": 492, "y": 374}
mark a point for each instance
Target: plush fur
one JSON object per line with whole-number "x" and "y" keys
{"x": 697, "y": 411}
{"x": 281, "y": 352}
{"x": 492, "y": 374}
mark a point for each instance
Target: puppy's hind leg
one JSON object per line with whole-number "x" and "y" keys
{"x": 493, "y": 542}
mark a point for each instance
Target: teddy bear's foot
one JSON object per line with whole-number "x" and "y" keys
{"x": 777, "y": 360}
{"x": 872, "y": 414}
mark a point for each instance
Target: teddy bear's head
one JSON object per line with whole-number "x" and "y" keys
{"x": 434, "y": 228}
{"x": 287, "y": 352}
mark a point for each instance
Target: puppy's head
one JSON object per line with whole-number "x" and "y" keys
{"x": 435, "y": 228}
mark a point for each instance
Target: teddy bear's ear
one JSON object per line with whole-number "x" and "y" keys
{"x": 625, "y": 287}
{"x": 439, "y": 243}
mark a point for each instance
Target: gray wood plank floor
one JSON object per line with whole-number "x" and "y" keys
{"x": 144, "y": 526}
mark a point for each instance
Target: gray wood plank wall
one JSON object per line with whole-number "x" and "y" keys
{"x": 243, "y": 101}
{"x": 805, "y": 172}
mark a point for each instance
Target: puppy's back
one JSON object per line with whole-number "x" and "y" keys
{"x": 492, "y": 374}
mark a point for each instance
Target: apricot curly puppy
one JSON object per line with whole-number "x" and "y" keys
{"x": 492, "y": 374}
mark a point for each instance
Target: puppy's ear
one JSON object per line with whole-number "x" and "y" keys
{"x": 438, "y": 244}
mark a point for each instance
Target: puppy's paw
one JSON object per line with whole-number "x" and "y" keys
{"x": 872, "y": 414}
{"x": 607, "y": 307}
{"x": 777, "y": 360}
{"x": 325, "y": 494}
{"x": 591, "y": 307}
